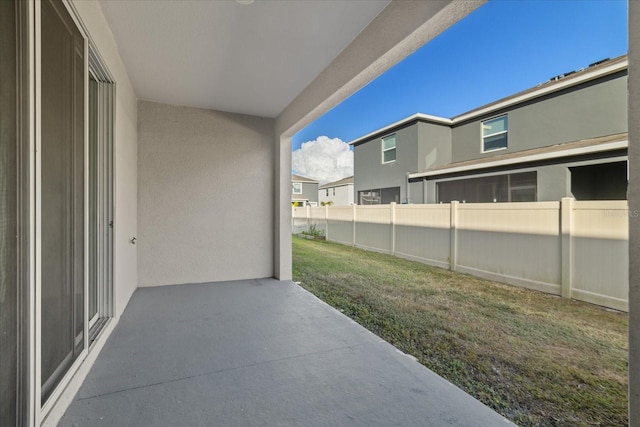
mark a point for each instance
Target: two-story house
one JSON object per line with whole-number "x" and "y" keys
{"x": 337, "y": 193}
{"x": 564, "y": 138}
{"x": 304, "y": 191}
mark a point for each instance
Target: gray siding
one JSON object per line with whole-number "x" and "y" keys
{"x": 554, "y": 183}
{"x": 371, "y": 173}
{"x": 416, "y": 192}
{"x": 593, "y": 109}
{"x": 418, "y": 147}
{"x": 434, "y": 145}
{"x": 309, "y": 191}
{"x": 587, "y": 111}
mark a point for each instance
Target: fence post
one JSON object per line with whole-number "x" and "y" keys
{"x": 566, "y": 230}
{"x": 453, "y": 257}
{"x": 353, "y": 222}
{"x": 308, "y": 215}
{"x": 392, "y": 207}
{"x": 326, "y": 222}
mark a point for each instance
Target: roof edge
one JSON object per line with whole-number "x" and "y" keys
{"x": 610, "y": 67}
{"x": 607, "y": 146}
{"x": 415, "y": 117}
{"x": 615, "y": 65}
{"x": 300, "y": 178}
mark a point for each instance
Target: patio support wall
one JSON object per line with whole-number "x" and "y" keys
{"x": 634, "y": 209}
{"x": 282, "y": 230}
{"x": 206, "y": 195}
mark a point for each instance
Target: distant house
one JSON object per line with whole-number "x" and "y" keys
{"x": 304, "y": 191}
{"x": 338, "y": 193}
{"x": 564, "y": 138}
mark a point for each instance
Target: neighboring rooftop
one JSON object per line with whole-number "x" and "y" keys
{"x": 344, "y": 181}
{"x": 298, "y": 178}
{"x": 562, "y": 81}
{"x": 571, "y": 78}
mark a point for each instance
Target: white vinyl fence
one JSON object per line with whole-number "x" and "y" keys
{"x": 577, "y": 249}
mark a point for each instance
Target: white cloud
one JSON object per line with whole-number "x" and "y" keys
{"x": 323, "y": 159}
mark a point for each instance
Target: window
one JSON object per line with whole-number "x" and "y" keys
{"x": 327, "y": 192}
{"x": 334, "y": 191}
{"x": 297, "y": 187}
{"x": 494, "y": 134}
{"x": 389, "y": 149}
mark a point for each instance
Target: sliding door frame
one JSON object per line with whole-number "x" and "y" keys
{"x": 35, "y": 410}
{"x": 43, "y": 408}
{"x": 104, "y": 190}
{"x": 26, "y": 214}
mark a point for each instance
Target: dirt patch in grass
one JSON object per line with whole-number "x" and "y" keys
{"x": 537, "y": 359}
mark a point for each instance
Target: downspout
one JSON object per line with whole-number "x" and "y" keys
{"x": 408, "y": 191}
{"x": 424, "y": 190}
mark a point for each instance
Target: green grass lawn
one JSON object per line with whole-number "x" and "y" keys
{"x": 537, "y": 359}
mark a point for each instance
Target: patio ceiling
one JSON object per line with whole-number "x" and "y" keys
{"x": 223, "y": 55}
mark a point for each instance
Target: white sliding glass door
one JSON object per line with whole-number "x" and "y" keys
{"x": 62, "y": 203}
{"x": 56, "y": 203}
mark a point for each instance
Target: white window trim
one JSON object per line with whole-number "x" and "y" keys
{"x": 384, "y": 150}
{"x": 483, "y": 136}
{"x": 297, "y": 190}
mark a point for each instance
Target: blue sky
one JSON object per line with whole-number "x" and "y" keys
{"x": 502, "y": 48}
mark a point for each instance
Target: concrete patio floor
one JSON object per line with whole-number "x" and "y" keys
{"x": 258, "y": 352}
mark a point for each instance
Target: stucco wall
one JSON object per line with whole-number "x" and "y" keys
{"x": 593, "y": 110}
{"x": 126, "y": 155}
{"x": 206, "y": 196}
{"x": 434, "y": 145}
